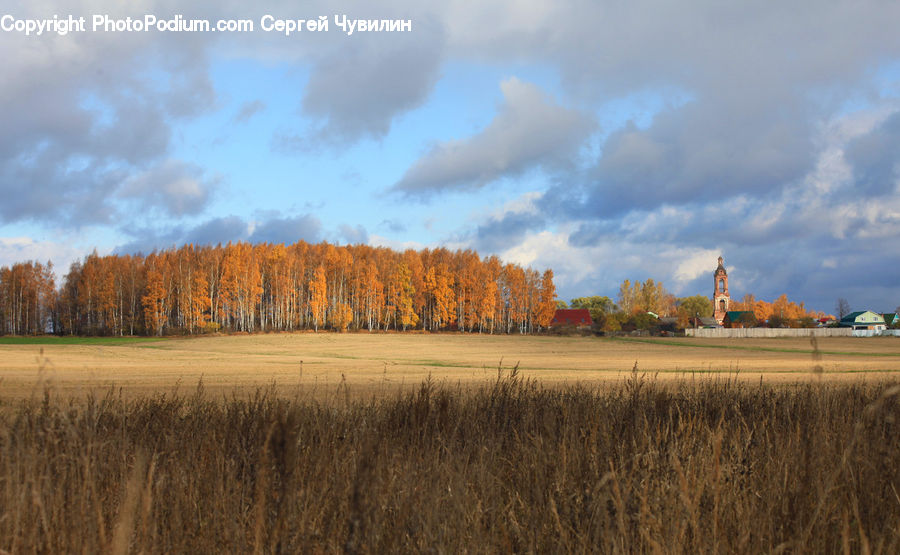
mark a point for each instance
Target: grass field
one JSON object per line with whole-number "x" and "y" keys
{"x": 706, "y": 466}
{"x": 74, "y": 340}
{"x": 366, "y": 443}
{"x": 377, "y": 363}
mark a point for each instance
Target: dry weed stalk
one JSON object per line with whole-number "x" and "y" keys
{"x": 699, "y": 465}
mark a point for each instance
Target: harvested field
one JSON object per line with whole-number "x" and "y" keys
{"x": 381, "y": 363}
{"x": 329, "y": 442}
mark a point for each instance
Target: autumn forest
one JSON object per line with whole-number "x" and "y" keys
{"x": 275, "y": 287}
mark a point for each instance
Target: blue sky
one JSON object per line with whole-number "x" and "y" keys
{"x": 600, "y": 139}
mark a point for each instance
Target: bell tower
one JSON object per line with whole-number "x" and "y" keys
{"x": 721, "y": 298}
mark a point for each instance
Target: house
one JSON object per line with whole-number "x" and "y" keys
{"x": 863, "y": 320}
{"x": 706, "y": 322}
{"x": 739, "y": 319}
{"x": 668, "y": 325}
{"x": 577, "y": 317}
{"x": 891, "y": 319}
{"x": 826, "y": 321}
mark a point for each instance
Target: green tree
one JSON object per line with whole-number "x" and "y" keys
{"x": 696, "y": 306}
{"x": 594, "y": 302}
{"x": 643, "y": 320}
{"x": 806, "y": 322}
{"x": 613, "y": 321}
{"x": 599, "y": 307}
{"x": 778, "y": 321}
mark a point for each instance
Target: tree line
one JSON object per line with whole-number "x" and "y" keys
{"x": 637, "y": 300}
{"x": 276, "y": 287}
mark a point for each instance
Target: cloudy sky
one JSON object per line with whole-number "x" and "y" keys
{"x": 605, "y": 140}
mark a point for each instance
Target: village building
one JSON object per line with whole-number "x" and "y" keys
{"x": 891, "y": 319}
{"x": 827, "y": 320}
{"x": 574, "y": 317}
{"x": 721, "y": 297}
{"x": 739, "y": 319}
{"x": 863, "y": 320}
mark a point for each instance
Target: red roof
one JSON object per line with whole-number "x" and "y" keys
{"x": 572, "y": 317}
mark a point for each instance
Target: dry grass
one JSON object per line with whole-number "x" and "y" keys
{"x": 711, "y": 465}
{"x": 378, "y": 363}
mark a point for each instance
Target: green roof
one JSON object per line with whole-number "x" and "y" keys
{"x": 735, "y": 315}
{"x": 852, "y": 316}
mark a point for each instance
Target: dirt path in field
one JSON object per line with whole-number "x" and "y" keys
{"x": 379, "y": 363}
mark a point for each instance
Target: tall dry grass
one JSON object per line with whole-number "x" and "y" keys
{"x": 715, "y": 466}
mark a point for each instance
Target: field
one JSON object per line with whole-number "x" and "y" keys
{"x": 381, "y": 363}
{"x": 412, "y": 442}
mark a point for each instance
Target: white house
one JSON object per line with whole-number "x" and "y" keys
{"x": 864, "y": 320}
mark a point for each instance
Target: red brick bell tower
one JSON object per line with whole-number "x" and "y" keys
{"x": 721, "y": 298}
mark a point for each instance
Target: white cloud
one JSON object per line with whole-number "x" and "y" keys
{"x": 23, "y": 249}
{"x": 382, "y": 241}
{"x": 600, "y": 267}
{"x": 526, "y": 203}
{"x": 694, "y": 265}
{"x": 174, "y": 186}
{"x": 530, "y": 131}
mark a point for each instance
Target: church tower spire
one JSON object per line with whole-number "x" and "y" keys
{"x": 721, "y": 297}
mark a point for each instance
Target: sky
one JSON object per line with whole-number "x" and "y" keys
{"x": 606, "y": 140}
